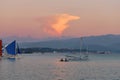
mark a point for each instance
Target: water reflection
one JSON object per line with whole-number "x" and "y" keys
{"x": 11, "y": 59}
{"x": 60, "y": 71}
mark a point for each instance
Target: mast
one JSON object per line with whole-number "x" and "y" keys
{"x": 0, "y": 48}
{"x": 81, "y": 44}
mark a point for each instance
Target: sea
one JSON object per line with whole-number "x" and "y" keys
{"x": 47, "y": 66}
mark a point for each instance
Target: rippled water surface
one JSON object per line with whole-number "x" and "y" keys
{"x": 48, "y": 67}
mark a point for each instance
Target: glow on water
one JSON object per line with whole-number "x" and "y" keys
{"x": 48, "y": 67}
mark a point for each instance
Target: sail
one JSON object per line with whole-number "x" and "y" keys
{"x": 18, "y": 50}
{"x": 0, "y": 47}
{"x": 11, "y": 48}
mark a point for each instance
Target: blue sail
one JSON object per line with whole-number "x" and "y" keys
{"x": 11, "y": 48}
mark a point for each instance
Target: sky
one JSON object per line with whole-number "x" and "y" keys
{"x": 56, "y": 18}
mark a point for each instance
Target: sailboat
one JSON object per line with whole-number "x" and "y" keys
{"x": 12, "y": 50}
{"x": 82, "y": 56}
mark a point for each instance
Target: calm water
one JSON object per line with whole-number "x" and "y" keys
{"x": 48, "y": 67}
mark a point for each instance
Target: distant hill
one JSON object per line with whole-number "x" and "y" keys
{"x": 99, "y": 43}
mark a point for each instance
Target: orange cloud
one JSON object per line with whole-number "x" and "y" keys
{"x": 62, "y": 22}
{"x": 55, "y": 25}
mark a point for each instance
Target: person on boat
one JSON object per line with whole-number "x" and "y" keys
{"x": 66, "y": 59}
{"x": 61, "y": 60}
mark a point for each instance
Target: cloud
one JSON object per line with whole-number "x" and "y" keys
{"x": 56, "y": 24}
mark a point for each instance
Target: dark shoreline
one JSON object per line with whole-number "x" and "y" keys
{"x": 58, "y": 50}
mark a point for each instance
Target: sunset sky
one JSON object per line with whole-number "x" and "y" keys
{"x": 51, "y": 18}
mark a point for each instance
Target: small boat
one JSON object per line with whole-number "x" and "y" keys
{"x": 64, "y": 60}
{"x": 11, "y": 50}
{"x": 80, "y": 57}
